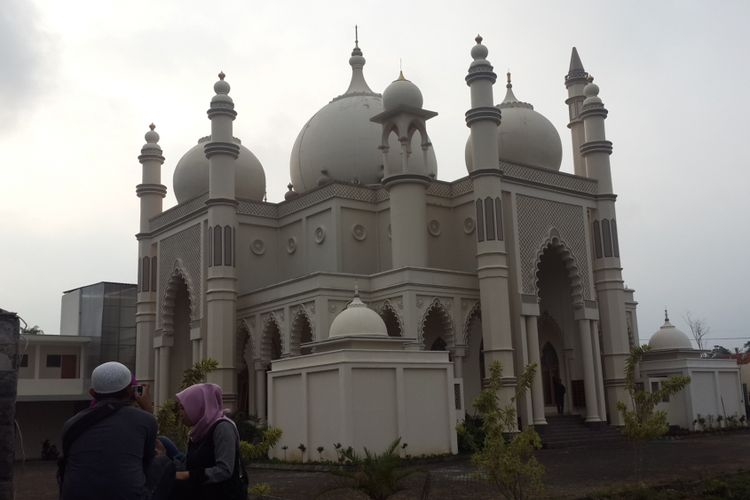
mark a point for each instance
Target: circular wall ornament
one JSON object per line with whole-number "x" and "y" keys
{"x": 291, "y": 245}
{"x": 320, "y": 234}
{"x": 258, "y": 247}
{"x": 433, "y": 227}
{"x": 469, "y": 225}
{"x": 359, "y": 232}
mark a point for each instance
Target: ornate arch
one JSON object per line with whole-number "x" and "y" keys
{"x": 295, "y": 330}
{"x": 557, "y": 244}
{"x": 475, "y": 311}
{"x": 167, "y": 304}
{"x": 246, "y": 342}
{"x": 265, "y": 340}
{"x": 387, "y": 306}
{"x": 445, "y": 318}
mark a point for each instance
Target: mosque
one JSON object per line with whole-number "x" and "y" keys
{"x": 516, "y": 262}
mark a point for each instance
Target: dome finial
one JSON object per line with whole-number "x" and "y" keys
{"x": 508, "y": 85}
{"x": 478, "y": 39}
{"x": 356, "y": 289}
{"x": 152, "y": 126}
{"x": 356, "y": 37}
{"x": 152, "y": 137}
{"x": 221, "y": 75}
{"x": 666, "y": 315}
{"x": 221, "y": 87}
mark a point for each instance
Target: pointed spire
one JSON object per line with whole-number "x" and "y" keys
{"x": 510, "y": 100}
{"x": 575, "y": 71}
{"x": 357, "y": 85}
{"x": 666, "y": 315}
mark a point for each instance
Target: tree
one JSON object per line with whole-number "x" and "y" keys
{"x": 643, "y": 421}
{"x": 507, "y": 458}
{"x": 720, "y": 352}
{"x": 698, "y": 327}
{"x": 34, "y": 330}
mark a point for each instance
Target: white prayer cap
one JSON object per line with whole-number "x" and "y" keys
{"x": 110, "y": 377}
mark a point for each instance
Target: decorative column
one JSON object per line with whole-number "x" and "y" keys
{"x": 597, "y": 355}
{"x": 459, "y": 352}
{"x": 589, "y": 375}
{"x": 606, "y": 263}
{"x": 151, "y": 193}
{"x": 492, "y": 260}
{"x": 221, "y": 285}
{"x": 537, "y": 388}
{"x": 406, "y": 183}
{"x": 162, "y": 382}
{"x": 260, "y": 388}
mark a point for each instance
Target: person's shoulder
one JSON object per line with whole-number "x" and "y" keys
{"x": 138, "y": 415}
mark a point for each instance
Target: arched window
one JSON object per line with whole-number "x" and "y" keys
{"x": 607, "y": 236}
{"x": 153, "y": 273}
{"x": 597, "y": 240}
{"x": 210, "y": 246}
{"x": 228, "y": 245}
{"x": 499, "y": 218}
{"x": 480, "y": 221}
{"x": 615, "y": 243}
{"x": 146, "y": 273}
{"x": 217, "y": 245}
{"x": 489, "y": 213}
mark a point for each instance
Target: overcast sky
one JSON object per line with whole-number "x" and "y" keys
{"x": 81, "y": 80}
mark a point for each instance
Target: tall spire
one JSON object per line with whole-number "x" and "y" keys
{"x": 510, "y": 100}
{"x": 357, "y": 85}
{"x": 575, "y": 71}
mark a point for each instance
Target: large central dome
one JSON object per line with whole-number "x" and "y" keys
{"x": 341, "y": 143}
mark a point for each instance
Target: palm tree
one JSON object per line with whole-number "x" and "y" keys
{"x": 9, "y": 335}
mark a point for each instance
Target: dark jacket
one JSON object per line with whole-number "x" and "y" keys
{"x": 214, "y": 465}
{"x": 110, "y": 459}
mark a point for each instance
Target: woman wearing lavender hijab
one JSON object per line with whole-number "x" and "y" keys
{"x": 213, "y": 466}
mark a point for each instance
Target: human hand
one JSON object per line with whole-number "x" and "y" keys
{"x": 144, "y": 400}
{"x": 182, "y": 475}
{"x": 160, "y": 449}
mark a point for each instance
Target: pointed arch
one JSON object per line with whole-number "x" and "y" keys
{"x": 575, "y": 276}
{"x": 179, "y": 275}
{"x": 474, "y": 313}
{"x": 392, "y": 320}
{"x": 436, "y": 322}
{"x": 270, "y": 342}
{"x": 301, "y": 331}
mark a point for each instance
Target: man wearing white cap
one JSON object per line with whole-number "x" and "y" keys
{"x": 109, "y": 449}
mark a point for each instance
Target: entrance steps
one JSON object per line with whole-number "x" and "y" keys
{"x": 570, "y": 431}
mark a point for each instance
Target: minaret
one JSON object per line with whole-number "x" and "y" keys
{"x": 575, "y": 81}
{"x": 406, "y": 183}
{"x": 608, "y": 281}
{"x": 221, "y": 284}
{"x": 151, "y": 192}
{"x": 492, "y": 260}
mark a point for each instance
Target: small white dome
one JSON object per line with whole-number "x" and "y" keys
{"x": 357, "y": 319}
{"x": 341, "y": 140}
{"x": 669, "y": 337}
{"x": 402, "y": 92}
{"x": 190, "y": 177}
{"x": 524, "y": 136}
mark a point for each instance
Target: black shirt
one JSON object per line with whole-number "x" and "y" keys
{"x": 109, "y": 460}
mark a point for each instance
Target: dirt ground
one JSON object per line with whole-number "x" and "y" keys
{"x": 570, "y": 473}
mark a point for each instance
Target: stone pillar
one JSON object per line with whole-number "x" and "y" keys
{"x": 589, "y": 374}
{"x": 537, "y": 388}
{"x": 458, "y": 361}
{"x": 163, "y": 375}
{"x": 598, "y": 371}
{"x": 408, "y": 211}
{"x": 260, "y": 389}
{"x": 9, "y": 361}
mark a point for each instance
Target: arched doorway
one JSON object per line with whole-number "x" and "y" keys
{"x": 301, "y": 333}
{"x": 473, "y": 365}
{"x": 550, "y": 372}
{"x": 390, "y": 318}
{"x": 181, "y": 352}
{"x": 244, "y": 368}
{"x": 270, "y": 350}
{"x": 437, "y": 331}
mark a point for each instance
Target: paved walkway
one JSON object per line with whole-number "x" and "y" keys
{"x": 571, "y": 473}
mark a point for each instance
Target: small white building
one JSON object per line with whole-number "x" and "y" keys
{"x": 714, "y": 388}
{"x": 362, "y": 388}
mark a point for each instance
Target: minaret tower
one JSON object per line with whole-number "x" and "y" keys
{"x": 151, "y": 192}
{"x": 221, "y": 285}
{"x": 575, "y": 81}
{"x": 492, "y": 260}
{"x": 406, "y": 182}
{"x": 608, "y": 281}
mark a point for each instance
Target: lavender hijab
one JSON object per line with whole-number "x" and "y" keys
{"x": 203, "y": 407}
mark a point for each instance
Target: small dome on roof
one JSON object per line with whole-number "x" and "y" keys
{"x": 357, "y": 319}
{"x": 190, "y": 178}
{"x": 524, "y": 136}
{"x": 402, "y": 92}
{"x": 669, "y": 337}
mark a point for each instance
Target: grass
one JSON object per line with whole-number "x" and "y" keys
{"x": 725, "y": 487}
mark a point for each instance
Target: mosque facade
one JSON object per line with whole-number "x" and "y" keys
{"x": 517, "y": 262}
